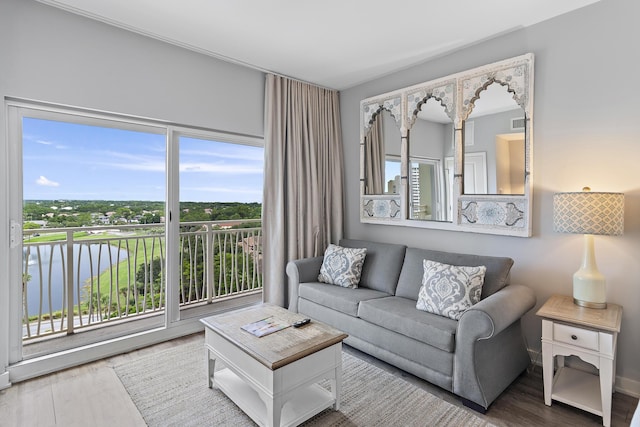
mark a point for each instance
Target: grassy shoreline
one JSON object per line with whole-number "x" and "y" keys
{"x": 103, "y": 282}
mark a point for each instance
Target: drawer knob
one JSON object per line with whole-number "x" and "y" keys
{"x": 573, "y": 337}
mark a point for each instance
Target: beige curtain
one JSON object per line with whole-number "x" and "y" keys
{"x": 375, "y": 158}
{"x": 303, "y": 197}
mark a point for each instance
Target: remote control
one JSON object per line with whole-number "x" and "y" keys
{"x": 301, "y": 323}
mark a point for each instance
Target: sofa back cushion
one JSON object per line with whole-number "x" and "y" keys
{"x": 495, "y": 278}
{"x": 382, "y": 264}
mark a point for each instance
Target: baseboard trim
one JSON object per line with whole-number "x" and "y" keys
{"x": 4, "y": 381}
{"x": 628, "y": 387}
{"x": 623, "y": 385}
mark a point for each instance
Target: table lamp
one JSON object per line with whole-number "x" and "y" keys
{"x": 589, "y": 213}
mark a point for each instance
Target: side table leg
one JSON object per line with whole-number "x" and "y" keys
{"x": 211, "y": 366}
{"x": 547, "y": 371}
{"x": 606, "y": 390}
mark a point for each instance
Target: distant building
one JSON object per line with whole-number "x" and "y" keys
{"x": 253, "y": 245}
{"x": 229, "y": 224}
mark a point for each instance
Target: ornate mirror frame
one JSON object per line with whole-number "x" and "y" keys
{"x": 508, "y": 215}
{"x": 387, "y": 207}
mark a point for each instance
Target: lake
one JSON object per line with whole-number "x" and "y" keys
{"x": 53, "y": 271}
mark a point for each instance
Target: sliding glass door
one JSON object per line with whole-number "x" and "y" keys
{"x": 119, "y": 224}
{"x": 220, "y": 247}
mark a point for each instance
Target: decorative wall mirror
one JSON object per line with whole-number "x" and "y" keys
{"x": 431, "y": 112}
{"x": 381, "y": 162}
{"x": 464, "y": 159}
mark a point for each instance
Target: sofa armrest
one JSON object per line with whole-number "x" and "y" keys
{"x": 490, "y": 350}
{"x": 495, "y": 313}
{"x": 301, "y": 271}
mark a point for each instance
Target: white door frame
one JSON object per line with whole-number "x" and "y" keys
{"x": 475, "y": 173}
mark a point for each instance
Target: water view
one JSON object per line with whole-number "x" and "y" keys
{"x": 89, "y": 261}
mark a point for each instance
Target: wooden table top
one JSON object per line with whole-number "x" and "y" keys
{"x": 561, "y": 307}
{"x": 278, "y": 348}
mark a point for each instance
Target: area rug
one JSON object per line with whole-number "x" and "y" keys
{"x": 169, "y": 388}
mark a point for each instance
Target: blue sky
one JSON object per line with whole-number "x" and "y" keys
{"x": 79, "y": 162}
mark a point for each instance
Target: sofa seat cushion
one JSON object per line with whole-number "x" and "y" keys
{"x": 400, "y": 315}
{"x": 344, "y": 300}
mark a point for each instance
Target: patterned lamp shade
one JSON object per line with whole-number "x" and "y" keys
{"x": 588, "y": 212}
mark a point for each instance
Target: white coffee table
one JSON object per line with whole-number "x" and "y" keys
{"x": 273, "y": 378}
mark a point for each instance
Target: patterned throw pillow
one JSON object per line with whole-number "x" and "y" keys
{"x": 449, "y": 290}
{"x": 342, "y": 266}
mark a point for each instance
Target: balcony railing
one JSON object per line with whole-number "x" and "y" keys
{"x": 75, "y": 278}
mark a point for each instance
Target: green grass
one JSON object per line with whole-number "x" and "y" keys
{"x": 123, "y": 274}
{"x": 78, "y": 235}
{"x": 54, "y": 237}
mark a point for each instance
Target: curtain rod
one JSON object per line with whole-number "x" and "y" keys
{"x": 298, "y": 80}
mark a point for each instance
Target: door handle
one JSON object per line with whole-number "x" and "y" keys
{"x": 15, "y": 234}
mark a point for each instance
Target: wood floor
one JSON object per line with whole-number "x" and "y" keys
{"x": 92, "y": 396}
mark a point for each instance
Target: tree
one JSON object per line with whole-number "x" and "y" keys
{"x": 150, "y": 218}
{"x": 148, "y": 276}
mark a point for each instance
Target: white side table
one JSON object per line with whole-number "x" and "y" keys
{"x": 589, "y": 333}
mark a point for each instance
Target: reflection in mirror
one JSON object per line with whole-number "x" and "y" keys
{"x": 392, "y": 172}
{"x": 494, "y": 144}
{"x": 431, "y": 163}
{"x": 382, "y": 151}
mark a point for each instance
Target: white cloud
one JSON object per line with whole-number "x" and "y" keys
{"x": 159, "y": 166}
{"x": 252, "y": 155}
{"x": 44, "y": 181}
{"x": 133, "y": 162}
{"x": 45, "y": 142}
{"x": 224, "y": 190}
{"x": 221, "y": 168}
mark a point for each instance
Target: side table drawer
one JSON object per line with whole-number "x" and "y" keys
{"x": 575, "y": 336}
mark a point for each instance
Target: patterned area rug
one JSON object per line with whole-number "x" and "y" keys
{"x": 169, "y": 388}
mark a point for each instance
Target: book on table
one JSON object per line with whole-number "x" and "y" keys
{"x": 265, "y": 326}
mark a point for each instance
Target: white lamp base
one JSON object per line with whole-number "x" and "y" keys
{"x": 586, "y": 303}
{"x": 589, "y": 285}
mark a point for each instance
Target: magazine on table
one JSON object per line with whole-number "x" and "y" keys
{"x": 265, "y": 326}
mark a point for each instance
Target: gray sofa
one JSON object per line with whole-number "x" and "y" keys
{"x": 475, "y": 357}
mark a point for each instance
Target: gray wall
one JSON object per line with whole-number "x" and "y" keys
{"x": 51, "y": 55}
{"x": 586, "y": 132}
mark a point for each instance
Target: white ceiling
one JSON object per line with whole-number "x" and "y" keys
{"x": 332, "y": 43}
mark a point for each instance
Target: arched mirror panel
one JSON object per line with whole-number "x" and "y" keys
{"x": 381, "y": 157}
{"x": 382, "y": 145}
{"x": 494, "y": 143}
{"x": 431, "y": 149}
